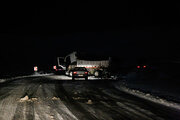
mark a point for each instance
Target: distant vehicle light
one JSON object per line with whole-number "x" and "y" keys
{"x": 138, "y": 66}
{"x": 54, "y": 67}
{"x": 86, "y": 72}
{"x": 144, "y": 66}
{"x": 74, "y": 72}
{"x": 35, "y": 69}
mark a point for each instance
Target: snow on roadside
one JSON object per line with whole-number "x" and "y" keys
{"x": 59, "y": 77}
{"x": 2, "y": 80}
{"x": 64, "y": 77}
{"x": 19, "y": 77}
{"x": 40, "y": 74}
{"x": 148, "y": 96}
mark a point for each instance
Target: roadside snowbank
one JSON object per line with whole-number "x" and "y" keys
{"x": 19, "y": 77}
{"x": 156, "y": 89}
{"x": 41, "y": 74}
{"x": 149, "y": 97}
{"x": 2, "y": 80}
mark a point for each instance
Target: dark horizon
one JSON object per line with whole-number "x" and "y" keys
{"x": 36, "y": 33}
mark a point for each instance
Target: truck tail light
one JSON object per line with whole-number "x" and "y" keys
{"x": 74, "y": 72}
{"x": 54, "y": 67}
{"x": 138, "y": 66}
{"x": 86, "y": 72}
{"x": 144, "y": 66}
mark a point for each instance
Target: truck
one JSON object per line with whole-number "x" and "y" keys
{"x": 97, "y": 68}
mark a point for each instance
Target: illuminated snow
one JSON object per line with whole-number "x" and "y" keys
{"x": 149, "y": 97}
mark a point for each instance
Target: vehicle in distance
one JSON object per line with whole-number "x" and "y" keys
{"x": 79, "y": 72}
{"x": 58, "y": 70}
{"x": 95, "y": 66}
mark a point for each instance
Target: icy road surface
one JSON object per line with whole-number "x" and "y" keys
{"x": 58, "y": 98}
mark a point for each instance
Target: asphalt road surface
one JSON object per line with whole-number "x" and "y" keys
{"x": 47, "y": 98}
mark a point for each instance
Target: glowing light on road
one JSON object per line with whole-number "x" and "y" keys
{"x": 144, "y": 66}
{"x": 138, "y": 66}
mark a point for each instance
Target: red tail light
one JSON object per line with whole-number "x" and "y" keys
{"x": 144, "y": 66}
{"x": 86, "y": 72}
{"x": 74, "y": 72}
{"x": 138, "y": 66}
{"x": 54, "y": 67}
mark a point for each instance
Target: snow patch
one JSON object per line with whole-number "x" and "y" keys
{"x": 26, "y": 76}
{"x": 41, "y": 74}
{"x": 2, "y": 80}
{"x": 149, "y": 97}
{"x": 55, "y": 98}
{"x": 89, "y": 102}
{"x": 59, "y": 77}
{"x": 26, "y": 98}
{"x": 76, "y": 98}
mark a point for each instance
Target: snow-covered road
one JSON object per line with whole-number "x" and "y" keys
{"x": 54, "y": 98}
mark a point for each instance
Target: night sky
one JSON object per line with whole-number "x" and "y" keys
{"x": 35, "y": 33}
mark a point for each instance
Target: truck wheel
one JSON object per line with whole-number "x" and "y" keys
{"x": 96, "y": 74}
{"x": 70, "y": 74}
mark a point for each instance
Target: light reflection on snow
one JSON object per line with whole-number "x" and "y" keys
{"x": 149, "y": 97}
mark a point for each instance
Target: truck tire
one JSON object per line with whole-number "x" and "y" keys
{"x": 96, "y": 74}
{"x": 70, "y": 74}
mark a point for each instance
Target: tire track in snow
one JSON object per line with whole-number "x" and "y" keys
{"x": 108, "y": 110}
{"x": 142, "y": 106}
{"x": 25, "y": 109}
{"x": 29, "y": 111}
{"x": 109, "y": 105}
{"x": 19, "y": 114}
{"x": 8, "y": 105}
{"x": 40, "y": 108}
{"x": 125, "y": 104}
{"x": 57, "y": 105}
{"x": 43, "y": 109}
{"x": 72, "y": 105}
